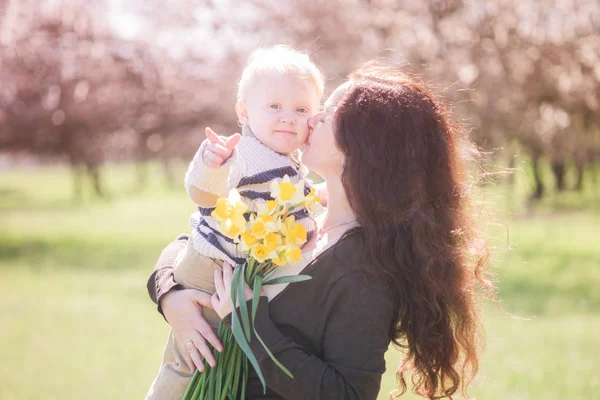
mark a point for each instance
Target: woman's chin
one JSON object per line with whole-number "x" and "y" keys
{"x": 304, "y": 158}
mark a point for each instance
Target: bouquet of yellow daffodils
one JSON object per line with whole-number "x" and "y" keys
{"x": 271, "y": 238}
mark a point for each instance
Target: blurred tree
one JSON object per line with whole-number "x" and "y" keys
{"x": 116, "y": 80}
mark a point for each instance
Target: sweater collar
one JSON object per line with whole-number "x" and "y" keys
{"x": 246, "y": 131}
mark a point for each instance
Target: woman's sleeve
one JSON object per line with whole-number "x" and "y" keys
{"x": 162, "y": 280}
{"x": 358, "y": 314}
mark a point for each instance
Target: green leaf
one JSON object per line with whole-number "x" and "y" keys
{"x": 201, "y": 385}
{"x": 239, "y": 336}
{"x": 241, "y": 339}
{"x": 241, "y": 295}
{"x": 287, "y": 279}
{"x": 268, "y": 274}
{"x": 245, "y": 381}
{"x": 229, "y": 368}
{"x": 280, "y": 365}
{"x": 191, "y": 386}
{"x": 256, "y": 296}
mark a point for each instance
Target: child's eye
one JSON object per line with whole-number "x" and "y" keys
{"x": 274, "y": 106}
{"x": 302, "y": 110}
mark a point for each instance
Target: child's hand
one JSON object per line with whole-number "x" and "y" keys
{"x": 221, "y": 299}
{"x": 219, "y": 148}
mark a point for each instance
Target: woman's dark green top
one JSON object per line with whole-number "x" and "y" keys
{"x": 331, "y": 332}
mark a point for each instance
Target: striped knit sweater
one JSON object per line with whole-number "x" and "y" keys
{"x": 250, "y": 169}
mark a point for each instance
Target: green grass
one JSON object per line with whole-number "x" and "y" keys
{"x": 79, "y": 323}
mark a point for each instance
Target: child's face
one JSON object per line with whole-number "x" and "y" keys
{"x": 277, "y": 109}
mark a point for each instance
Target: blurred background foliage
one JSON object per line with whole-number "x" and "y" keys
{"x": 89, "y": 82}
{"x": 103, "y": 103}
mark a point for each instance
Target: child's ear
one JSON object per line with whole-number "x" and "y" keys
{"x": 242, "y": 111}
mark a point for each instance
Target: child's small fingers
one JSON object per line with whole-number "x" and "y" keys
{"x": 219, "y": 149}
{"x": 212, "y": 160}
{"x": 219, "y": 284}
{"x": 212, "y": 136}
{"x": 232, "y": 141}
{"x": 227, "y": 274}
{"x": 214, "y": 301}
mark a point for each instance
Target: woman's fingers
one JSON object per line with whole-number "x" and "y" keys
{"x": 188, "y": 359}
{"x": 201, "y": 298}
{"x": 192, "y": 350}
{"x": 202, "y": 348}
{"x": 207, "y": 333}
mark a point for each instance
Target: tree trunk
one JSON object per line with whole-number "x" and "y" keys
{"x": 579, "y": 182}
{"x": 94, "y": 174}
{"x": 539, "y": 185}
{"x": 558, "y": 168}
{"x": 511, "y": 167}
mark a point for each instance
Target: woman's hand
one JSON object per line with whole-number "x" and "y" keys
{"x": 221, "y": 299}
{"x": 182, "y": 309}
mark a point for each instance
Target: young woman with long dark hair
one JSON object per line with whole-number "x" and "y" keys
{"x": 396, "y": 257}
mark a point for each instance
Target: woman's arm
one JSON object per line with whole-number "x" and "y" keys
{"x": 162, "y": 280}
{"x": 182, "y": 308}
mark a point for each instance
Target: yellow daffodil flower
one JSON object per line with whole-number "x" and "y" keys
{"x": 247, "y": 240}
{"x": 311, "y": 197}
{"x": 294, "y": 232}
{"x": 233, "y": 227}
{"x": 230, "y": 213}
{"x": 293, "y": 254}
{"x": 272, "y": 205}
{"x": 228, "y": 207}
{"x": 265, "y": 217}
{"x": 272, "y": 240}
{"x": 279, "y": 260}
{"x": 312, "y": 202}
{"x": 286, "y": 192}
{"x": 258, "y": 227}
{"x": 270, "y": 208}
{"x": 262, "y": 253}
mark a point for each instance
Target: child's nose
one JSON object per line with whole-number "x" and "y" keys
{"x": 288, "y": 119}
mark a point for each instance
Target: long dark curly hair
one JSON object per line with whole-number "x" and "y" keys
{"x": 406, "y": 179}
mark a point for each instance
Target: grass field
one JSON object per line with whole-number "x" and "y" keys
{"x": 79, "y": 324}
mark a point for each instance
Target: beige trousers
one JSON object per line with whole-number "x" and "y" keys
{"x": 193, "y": 271}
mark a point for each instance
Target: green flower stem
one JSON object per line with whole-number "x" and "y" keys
{"x": 229, "y": 378}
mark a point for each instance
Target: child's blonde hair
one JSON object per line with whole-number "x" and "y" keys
{"x": 283, "y": 59}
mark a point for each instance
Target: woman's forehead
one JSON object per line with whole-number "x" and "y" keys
{"x": 337, "y": 94}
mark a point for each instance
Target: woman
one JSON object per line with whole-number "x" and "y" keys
{"x": 396, "y": 257}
